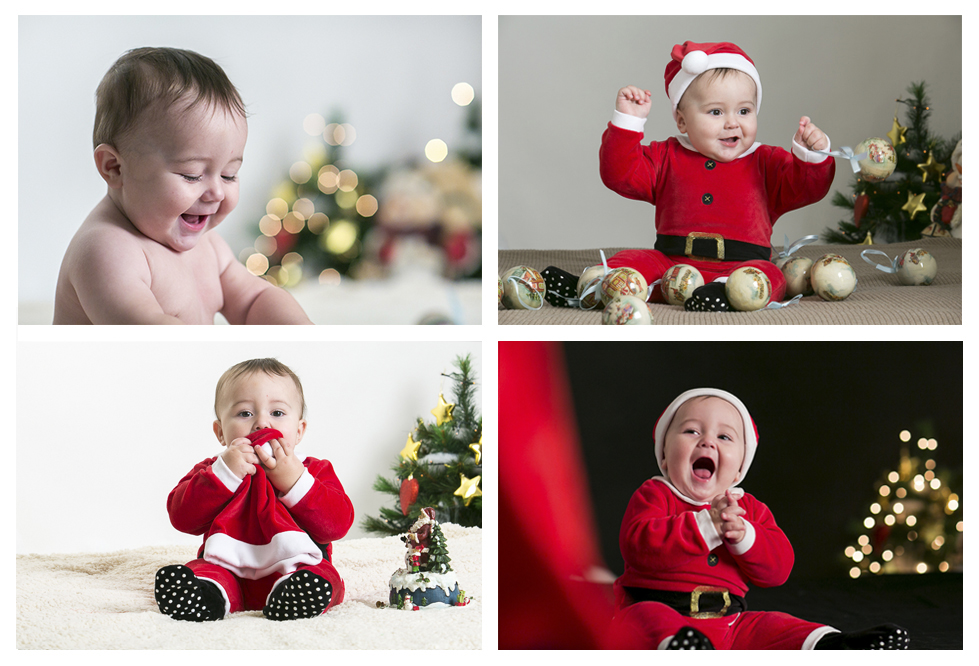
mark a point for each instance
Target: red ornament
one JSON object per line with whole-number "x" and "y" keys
{"x": 860, "y": 207}
{"x": 409, "y": 493}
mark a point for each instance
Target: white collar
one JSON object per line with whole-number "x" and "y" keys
{"x": 685, "y": 142}
{"x": 738, "y": 493}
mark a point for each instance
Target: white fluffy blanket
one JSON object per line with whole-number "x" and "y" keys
{"x": 105, "y": 601}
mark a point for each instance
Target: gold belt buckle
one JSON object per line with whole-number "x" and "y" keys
{"x": 695, "y": 602}
{"x": 700, "y": 234}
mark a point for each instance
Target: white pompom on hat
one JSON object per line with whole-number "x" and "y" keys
{"x": 663, "y": 424}
{"x": 690, "y": 60}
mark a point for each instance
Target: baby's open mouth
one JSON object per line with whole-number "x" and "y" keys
{"x": 195, "y": 220}
{"x": 730, "y": 141}
{"x": 703, "y": 468}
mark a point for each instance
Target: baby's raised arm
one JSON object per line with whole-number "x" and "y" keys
{"x": 634, "y": 101}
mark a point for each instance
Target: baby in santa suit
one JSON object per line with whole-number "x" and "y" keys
{"x": 291, "y": 576}
{"x": 717, "y": 191}
{"x": 692, "y": 542}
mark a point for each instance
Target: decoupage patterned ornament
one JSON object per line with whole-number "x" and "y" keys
{"x": 917, "y": 267}
{"x": 409, "y": 493}
{"x": 915, "y": 204}
{"x": 410, "y": 451}
{"x": 523, "y": 288}
{"x": 881, "y": 159}
{"x": 796, "y": 272}
{"x": 832, "y": 277}
{"x": 499, "y": 292}
{"x": 748, "y": 289}
{"x": 443, "y": 412}
{"x": 623, "y": 282}
{"x": 627, "y": 310}
{"x": 896, "y": 135}
{"x": 468, "y": 488}
{"x": 589, "y": 287}
{"x": 679, "y": 283}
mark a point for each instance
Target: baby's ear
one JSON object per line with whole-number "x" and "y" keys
{"x": 109, "y": 165}
{"x": 219, "y": 432}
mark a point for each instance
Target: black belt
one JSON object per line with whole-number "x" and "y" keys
{"x": 711, "y": 246}
{"x": 704, "y": 602}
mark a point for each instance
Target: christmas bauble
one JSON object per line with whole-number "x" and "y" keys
{"x": 916, "y": 267}
{"x": 625, "y": 310}
{"x": 523, "y": 288}
{"x": 679, "y": 283}
{"x": 623, "y": 282}
{"x": 408, "y": 494}
{"x": 832, "y": 277}
{"x": 881, "y": 159}
{"x": 591, "y": 277}
{"x": 748, "y": 289}
{"x": 499, "y": 292}
{"x": 796, "y": 272}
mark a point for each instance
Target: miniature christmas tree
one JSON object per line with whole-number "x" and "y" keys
{"x": 438, "y": 553}
{"x": 439, "y": 465}
{"x": 915, "y": 524}
{"x": 896, "y": 209}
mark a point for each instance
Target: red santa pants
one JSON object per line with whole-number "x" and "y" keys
{"x": 752, "y": 630}
{"x": 653, "y": 263}
{"x": 247, "y": 594}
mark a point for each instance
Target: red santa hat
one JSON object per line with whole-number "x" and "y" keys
{"x": 663, "y": 424}
{"x": 690, "y": 60}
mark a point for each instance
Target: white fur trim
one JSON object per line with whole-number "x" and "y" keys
{"x": 685, "y": 142}
{"x": 700, "y": 64}
{"x": 707, "y": 529}
{"x": 299, "y": 490}
{"x": 283, "y": 554}
{"x": 808, "y": 156}
{"x": 225, "y": 475}
{"x": 813, "y": 638}
{"x": 627, "y": 122}
{"x": 746, "y": 543}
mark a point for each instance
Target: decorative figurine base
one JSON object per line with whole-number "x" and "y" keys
{"x": 424, "y": 590}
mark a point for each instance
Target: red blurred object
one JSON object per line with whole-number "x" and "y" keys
{"x": 860, "y": 207}
{"x": 548, "y": 540}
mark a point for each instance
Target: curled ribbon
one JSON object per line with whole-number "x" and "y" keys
{"x": 891, "y": 266}
{"x": 775, "y": 305}
{"x": 789, "y": 249}
{"x": 847, "y": 153}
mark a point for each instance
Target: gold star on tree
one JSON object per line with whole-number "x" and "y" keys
{"x": 468, "y": 488}
{"x": 443, "y": 412}
{"x": 931, "y": 168}
{"x": 915, "y": 204}
{"x": 896, "y": 135}
{"x": 477, "y": 448}
{"x": 410, "y": 451}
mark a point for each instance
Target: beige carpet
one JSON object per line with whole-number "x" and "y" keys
{"x": 105, "y": 601}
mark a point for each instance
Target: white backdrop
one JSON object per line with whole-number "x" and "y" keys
{"x": 558, "y": 77}
{"x": 105, "y": 430}
{"x": 390, "y": 76}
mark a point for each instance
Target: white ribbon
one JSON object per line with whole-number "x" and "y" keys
{"x": 789, "y": 249}
{"x": 891, "y": 266}
{"x": 775, "y": 305}
{"x": 847, "y": 153}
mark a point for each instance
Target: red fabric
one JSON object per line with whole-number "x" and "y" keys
{"x": 253, "y": 513}
{"x": 681, "y": 50}
{"x": 663, "y": 548}
{"x": 548, "y": 540}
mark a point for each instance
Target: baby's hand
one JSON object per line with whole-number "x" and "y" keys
{"x": 810, "y": 136}
{"x": 633, "y": 101}
{"x": 282, "y": 468}
{"x": 726, "y": 516}
{"x": 240, "y": 457}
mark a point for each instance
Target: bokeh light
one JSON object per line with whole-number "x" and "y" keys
{"x": 314, "y": 124}
{"x": 436, "y": 150}
{"x": 463, "y": 94}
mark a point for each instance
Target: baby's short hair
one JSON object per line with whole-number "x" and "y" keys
{"x": 146, "y": 75}
{"x": 716, "y": 73}
{"x": 270, "y": 366}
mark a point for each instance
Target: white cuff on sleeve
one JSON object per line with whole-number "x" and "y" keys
{"x": 298, "y": 491}
{"x": 707, "y": 529}
{"x": 808, "y": 156}
{"x": 225, "y": 475}
{"x": 746, "y": 543}
{"x": 627, "y": 122}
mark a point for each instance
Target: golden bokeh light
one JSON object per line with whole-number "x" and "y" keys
{"x": 300, "y": 172}
{"x": 294, "y": 222}
{"x": 277, "y": 207}
{"x": 314, "y": 124}
{"x": 463, "y": 94}
{"x": 257, "y": 264}
{"x": 339, "y": 135}
{"x": 330, "y": 276}
{"x": 270, "y": 225}
{"x": 304, "y": 207}
{"x": 328, "y": 179}
{"x": 340, "y": 237}
{"x": 347, "y": 180}
{"x": 366, "y": 205}
{"x": 905, "y": 436}
{"x": 266, "y": 245}
{"x": 318, "y": 222}
{"x": 436, "y": 150}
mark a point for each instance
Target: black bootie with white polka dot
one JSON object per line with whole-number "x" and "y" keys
{"x": 183, "y": 596}
{"x": 884, "y": 637}
{"x": 709, "y": 298}
{"x": 303, "y": 594}
{"x": 562, "y": 287}
{"x": 689, "y": 638}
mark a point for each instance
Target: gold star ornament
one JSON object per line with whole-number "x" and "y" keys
{"x": 896, "y": 135}
{"x": 915, "y": 204}
{"x": 468, "y": 488}
{"x": 443, "y": 412}
{"x": 931, "y": 168}
{"x": 477, "y": 448}
{"x": 410, "y": 451}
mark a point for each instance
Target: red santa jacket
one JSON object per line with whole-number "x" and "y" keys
{"x": 669, "y": 544}
{"x": 740, "y": 200}
{"x": 317, "y": 502}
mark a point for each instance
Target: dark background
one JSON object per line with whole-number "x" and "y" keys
{"x": 828, "y": 417}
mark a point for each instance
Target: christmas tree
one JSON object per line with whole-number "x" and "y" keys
{"x": 915, "y": 524}
{"x": 896, "y": 209}
{"x": 438, "y": 552}
{"x": 439, "y": 466}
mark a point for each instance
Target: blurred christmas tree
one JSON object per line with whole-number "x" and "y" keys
{"x": 915, "y": 524}
{"x": 439, "y": 466}
{"x": 896, "y": 209}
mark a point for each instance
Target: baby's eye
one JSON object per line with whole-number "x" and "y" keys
{"x": 230, "y": 179}
{"x": 191, "y": 179}
{"x": 745, "y": 112}
{"x": 244, "y": 413}
{"x": 278, "y": 412}
{"x": 714, "y": 112}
